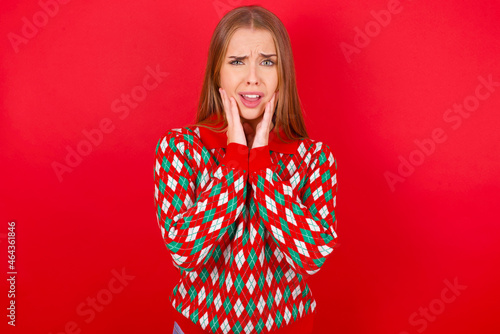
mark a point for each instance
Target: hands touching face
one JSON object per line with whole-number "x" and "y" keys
{"x": 242, "y": 132}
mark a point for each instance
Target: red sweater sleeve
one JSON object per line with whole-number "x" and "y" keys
{"x": 299, "y": 213}
{"x": 192, "y": 227}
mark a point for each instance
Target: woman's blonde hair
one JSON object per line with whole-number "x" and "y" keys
{"x": 288, "y": 113}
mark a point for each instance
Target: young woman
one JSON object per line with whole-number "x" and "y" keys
{"x": 245, "y": 199}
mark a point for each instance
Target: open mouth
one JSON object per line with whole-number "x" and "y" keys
{"x": 251, "y": 98}
{"x": 250, "y": 101}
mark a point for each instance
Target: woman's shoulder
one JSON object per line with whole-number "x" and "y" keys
{"x": 314, "y": 146}
{"x": 316, "y": 153}
{"x": 186, "y": 135}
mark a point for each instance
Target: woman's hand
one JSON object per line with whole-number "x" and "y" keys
{"x": 264, "y": 126}
{"x": 235, "y": 132}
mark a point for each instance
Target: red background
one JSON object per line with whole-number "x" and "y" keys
{"x": 399, "y": 246}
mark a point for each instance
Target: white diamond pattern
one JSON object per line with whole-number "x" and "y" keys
{"x": 238, "y": 307}
{"x": 261, "y": 304}
{"x": 201, "y": 295}
{"x": 251, "y": 283}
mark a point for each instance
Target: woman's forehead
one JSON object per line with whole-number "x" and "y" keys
{"x": 251, "y": 40}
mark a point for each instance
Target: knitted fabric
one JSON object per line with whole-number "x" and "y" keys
{"x": 244, "y": 227}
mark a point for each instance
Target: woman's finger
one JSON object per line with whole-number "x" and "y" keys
{"x": 225, "y": 103}
{"x": 234, "y": 110}
{"x": 268, "y": 113}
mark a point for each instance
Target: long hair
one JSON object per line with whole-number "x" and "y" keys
{"x": 288, "y": 113}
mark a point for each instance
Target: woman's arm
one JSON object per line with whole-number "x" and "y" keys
{"x": 303, "y": 226}
{"x": 191, "y": 227}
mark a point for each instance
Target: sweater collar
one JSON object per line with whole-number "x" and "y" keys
{"x": 213, "y": 139}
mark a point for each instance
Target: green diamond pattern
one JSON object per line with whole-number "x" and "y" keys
{"x": 313, "y": 210}
{"x": 204, "y": 274}
{"x": 177, "y": 202}
{"x": 188, "y": 138}
{"x": 253, "y": 208}
{"x": 250, "y": 307}
{"x": 252, "y": 258}
{"x": 307, "y": 235}
{"x": 214, "y": 324}
{"x": 245, "y": 236}
{"x": 198, "y": 245}
{"x": 263, "y": 212}
{"x": 268, "y": 252}
{"x": 326, "y": 237}
{"x": 205, "y": 155}
{"x": 260, "y": 183}
{"x": 278, "y": 274}
{"x": 295, "y": 257}
{"x": 210, "y": 298}
{"x": 209, "y": 215}
{"x": 270, "y": 300}
{"x": 326, "y": 176}
{"x": 190, "y": 171}
{"x": 232, "y": 205}
{"x": 227, "y": 305}
{"x": 278, "y": 319}
{"x": 284, "y": 226}
{"x": 306, "y": 291}
{"x": 184, "y": 183}
{"x": 279, "y": 198}
{"x": 237, "y": 328}
{"x": 174, "y": 246}
{"x": 192, "y": 292}
{"x": 297, "y": 210}
{"x": 165, "y": 164}
{"x": 187, "y": 223}
{"x": 222, "y": 278}
{"x": 217, "y": 253}
{"x": 230, "y": 178}
{"x": 259, "y": 326}
{"x": 286, "y": 294}
{"x": 322, "y": 158}
{"x": 319, "y": 262}
{"x": 216, "y": 189}
{"x": 162, "y": 187}
{"x": 261, "y": 281}
{"x": 306, "y": 195}
{"x": 239, "y": 284}
{"x": 194, "y": 316}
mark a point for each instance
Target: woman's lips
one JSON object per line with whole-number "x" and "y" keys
{"x": 250, "y": 102}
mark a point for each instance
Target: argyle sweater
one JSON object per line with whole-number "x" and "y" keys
{"x": 244, "y": 227}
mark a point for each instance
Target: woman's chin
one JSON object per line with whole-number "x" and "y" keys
{"x": 250, "y": 115}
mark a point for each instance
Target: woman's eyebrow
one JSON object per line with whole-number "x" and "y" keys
{"x": 245, "y": 57}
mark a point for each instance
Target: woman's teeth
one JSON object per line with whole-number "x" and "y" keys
{"x": 251, "y": 97}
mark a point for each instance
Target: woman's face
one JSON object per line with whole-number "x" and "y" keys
{"x": 246, "y": 70}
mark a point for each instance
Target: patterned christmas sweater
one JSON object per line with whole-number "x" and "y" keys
{"x": 244, "y": 227}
